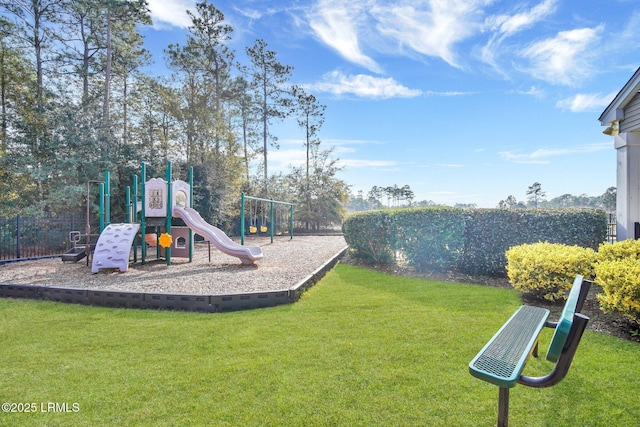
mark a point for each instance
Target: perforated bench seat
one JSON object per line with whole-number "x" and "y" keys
{"x": 502, "y": 359}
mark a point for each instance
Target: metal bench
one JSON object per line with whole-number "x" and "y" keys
{"x": 503, "y": 358}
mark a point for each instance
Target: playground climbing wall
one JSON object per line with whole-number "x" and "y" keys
{"x": 114, "y": 246}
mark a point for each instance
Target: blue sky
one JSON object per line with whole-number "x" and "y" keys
{"x": 466, "y": 101}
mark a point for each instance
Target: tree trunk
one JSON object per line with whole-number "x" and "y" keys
{"x": 265, "y": 137}
{"x": 107, "y": 73}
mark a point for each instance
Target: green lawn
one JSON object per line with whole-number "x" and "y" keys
{"x": 359, "y": 348}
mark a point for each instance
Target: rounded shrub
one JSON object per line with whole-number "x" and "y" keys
{"x": 618, "y": 272}
{"x": 547, "y": 270}
{"x": 620, "y": 281}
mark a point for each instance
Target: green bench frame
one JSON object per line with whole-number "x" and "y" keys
{"x": 502, "y": 360}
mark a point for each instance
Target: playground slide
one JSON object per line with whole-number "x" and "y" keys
{"x": 191, "y": 217}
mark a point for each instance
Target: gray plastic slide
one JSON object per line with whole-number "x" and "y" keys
{"x": 191, "y": 217}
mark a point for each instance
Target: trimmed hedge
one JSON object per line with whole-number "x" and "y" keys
{"x": 547, "y": 270}
{"x": 431, "y": 239}
{"x": 491, "y": 232}
{"x": 473, "y": 241}
{"x": 371, "y": 235}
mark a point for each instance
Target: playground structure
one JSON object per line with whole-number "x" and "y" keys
{"x": 157, "y": 203}
{"x": 271, "y": 222}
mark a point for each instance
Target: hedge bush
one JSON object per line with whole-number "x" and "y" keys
{"x": 491, "y": 232}
{"x": 547, "y": 270}
{"x": 619, "y": 251}
{"x": 372, "y": 235}
{"x": 473, "y": 241}
{"x": 618, "y": 272}
{"x": 431, "y": 239}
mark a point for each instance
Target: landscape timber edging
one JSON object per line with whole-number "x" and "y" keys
{"x": 166, "y": 301}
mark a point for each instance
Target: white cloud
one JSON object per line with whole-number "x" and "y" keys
{"x": 362, "y": 85}
{"x": 504, "y": 26}
{"x": 341, "y": 149}
{"x": 429, "y": 28}
{"x": 347, "y": 146}
{"x": 542, "y": 155}
{"x": 336, "y": 23}
{"x": 565, "y": 58}
{"x": 532, "y": 91}
{"x": 339, "y": 142}
{"x": 448, "y": 93}
{"x": 379, "y": 165}
{"x": 586, "y": 102}
{"x": 171, "y": 12}
{"x": 511, "y": 24}
{"x": 280, "y": 160}
{"x": 354, "y": 28}
{"x": 252, "y": 14}
{"x": 362, "y": 163}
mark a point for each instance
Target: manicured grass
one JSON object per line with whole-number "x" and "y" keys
{"x": 360, "y": 348}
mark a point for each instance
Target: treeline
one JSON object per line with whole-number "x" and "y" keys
{"x": 395, "y": 196}
{"x": 75, "y": 101}
{"x": 536, "y": 198}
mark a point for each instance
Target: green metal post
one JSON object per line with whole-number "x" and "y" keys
{"x": 191, "y": 206}
{"x": 271, "y": 218}
{"x": 242, "y": 218}
{"x": 290, "y": 221}
{"x": 167, "y": 251}
{"x": 127, "y": 203}
{"x": 134, "y": 213}
{"x": 107, "y": 195}
{"x": 191, "y": 187}
{"x": 143, "y": 225}
{"x": 135, "y": 199}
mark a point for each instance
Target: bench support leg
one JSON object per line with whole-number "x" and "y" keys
{"x": 503, "y": 407}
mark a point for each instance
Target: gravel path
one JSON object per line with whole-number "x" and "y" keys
{"x": 285, "y": 263}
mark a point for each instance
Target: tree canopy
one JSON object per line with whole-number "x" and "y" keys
{"x": 75, "y": 101}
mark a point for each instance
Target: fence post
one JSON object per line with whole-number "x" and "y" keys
{"x": 102, "y": 219}
{"x": 18, "y": 232}
{"x": 291, "y": 221}
{"x": 271, "y": 218}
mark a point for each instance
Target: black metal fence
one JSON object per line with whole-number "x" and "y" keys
{"x": 24, "y": 237}
{"x": 611, "y": 227}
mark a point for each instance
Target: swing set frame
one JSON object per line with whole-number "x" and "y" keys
{"x": 244, "y": 198}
